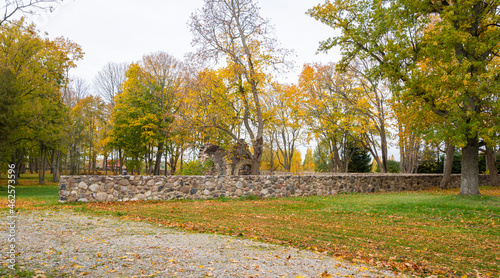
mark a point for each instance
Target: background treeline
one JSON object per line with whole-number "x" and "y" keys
{"x": 151, "y": 116}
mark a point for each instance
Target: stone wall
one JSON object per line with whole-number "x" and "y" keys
{"x": 131, "y": 188}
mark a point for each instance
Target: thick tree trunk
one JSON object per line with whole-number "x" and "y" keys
{"x": 448, "y": 165}
{"x": 469, "y": 184}
{"x": 18, "y": 162}
{"x": 55, "y": 171}
{"x": 258, "y": 146}
{"x": 492, "y": 166}
{"x": 335, "y": 158}
{"x": 383, "y": 148}
{"x": 159, "y": 154}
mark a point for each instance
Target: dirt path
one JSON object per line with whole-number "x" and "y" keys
{"x": 67, "y": 244}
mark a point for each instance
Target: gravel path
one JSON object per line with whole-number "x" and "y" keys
{"x": 77, "y": 245}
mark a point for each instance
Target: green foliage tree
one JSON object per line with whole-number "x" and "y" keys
{"x": 31, "y": 109}
{"x": 440, "y": 56}
{"x": 133, "y": 126}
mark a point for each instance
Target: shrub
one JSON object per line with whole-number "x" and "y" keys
{"x": 392, "y": 167}
{"x": 196, "y": 168}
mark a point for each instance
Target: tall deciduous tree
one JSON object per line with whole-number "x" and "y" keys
{"x": 233, "y": 30}
{"x": 163, "y": 78}
{"x": 442, "y": 56}
{"x": 90, "y": 112}
{"x": 33, "y": 73}
{"x": 328, "y": 117}
{"x": 108, "y": 84}
{"x": 109, "y": 80}
{"x": 286, "y": 120}
{"x": 345, "y": 107}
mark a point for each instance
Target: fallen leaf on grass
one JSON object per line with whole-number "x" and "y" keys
{"x": 325, "y": 275}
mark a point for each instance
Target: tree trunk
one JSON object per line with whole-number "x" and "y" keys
{"x": 41, "y": 172}
{"x": 17, "y": 157}
{"x": 335, "y": 158}
{"x": 120, "y": 166}
{"x": 113, "y": 161}
{"x": 55, "y": 171}
{"x": 35, "y": 161}
{"x": 182, "y": 161}
{"x": 52, "y": 161}
{"x": 159, "y": 154}
{"x": 492, "y": 166}
{"x": 105, "y": 164}
{"x": 77, "y": 160}
{"x": 137, "y": 165}
{"x": 31, "y": 162}
{"x": 258, "y": 145}
{"x": 272, "y": 156}
{"x": 19, "y": 164}
{"x": 383, "y": 147}
{"x": 40, "y": 169}
{"x": 166, "y": 162}
{"x": 448, "y": 165}
{"x": 469, "y": 184}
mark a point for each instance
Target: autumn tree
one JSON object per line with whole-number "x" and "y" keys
{"x": 133, "y": 126}
{"x": 327, "y": 116}
{"x": 13, "y": 7}
{"x": 347, "y": 108}
{"x": 33, "y": 74}
{"x": 234, "y": 31}
{"x": 90, "y": 114}
{"x": 370, "y": 102}
{"x": 163, "y": 77}
{"x": 108, "y": 84}
{"x": 296, "y": 162}
{"x": 212, "y": 96}
{"x": 286, "y": 121}
{"x": 308, "y": 163}
{"x": 144, "y": 114}
{"x": 76, "y": 89}
{"x": 439, "y": 55}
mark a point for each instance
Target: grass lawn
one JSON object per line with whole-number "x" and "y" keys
{"x": 421, "y": 233}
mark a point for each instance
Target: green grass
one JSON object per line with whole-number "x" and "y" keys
{"x": 422, "y": 233}
{"x": 30, "y": 191}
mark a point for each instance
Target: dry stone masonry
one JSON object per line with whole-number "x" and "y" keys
{"x": 133, "y": 188}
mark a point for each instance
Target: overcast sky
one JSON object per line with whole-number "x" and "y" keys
{"x": 124, "y": 31}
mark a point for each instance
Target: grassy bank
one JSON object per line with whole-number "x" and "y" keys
{"x": 431, "y": 232}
